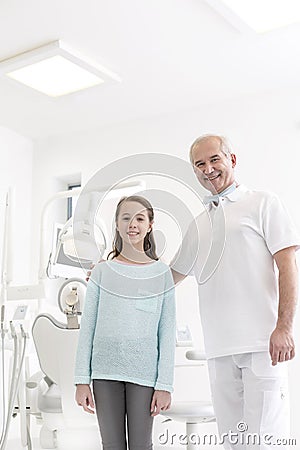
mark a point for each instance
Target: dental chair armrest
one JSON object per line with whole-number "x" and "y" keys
{"x": 195, "y": 355}
{"x": 36, "y": 378}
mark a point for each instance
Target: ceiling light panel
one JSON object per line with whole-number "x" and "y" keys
{"x": 56, "y": 70}
{"x": 259, "y": 15}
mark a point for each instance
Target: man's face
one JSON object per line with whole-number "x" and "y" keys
{"x": 213, "y": 168}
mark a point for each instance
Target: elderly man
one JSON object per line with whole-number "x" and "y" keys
{"x": 246, "y": 309}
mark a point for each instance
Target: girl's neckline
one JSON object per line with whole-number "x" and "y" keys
{"x": 123, "y": 263}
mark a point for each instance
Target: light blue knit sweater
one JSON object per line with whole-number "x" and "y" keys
{"x": 127, "y": 329}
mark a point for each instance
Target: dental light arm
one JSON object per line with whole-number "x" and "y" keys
{"x": 58, "y": 195}
{"x": 82, "y": 214}
{"x": 71, "y": 311}
{"x": 70, "y": 300}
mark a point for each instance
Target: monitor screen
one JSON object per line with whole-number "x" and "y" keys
{"x": 61, "y": 264}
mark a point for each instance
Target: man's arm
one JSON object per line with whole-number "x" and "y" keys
{"x": 177, "y": 277}
{"x": 282, "y": 347}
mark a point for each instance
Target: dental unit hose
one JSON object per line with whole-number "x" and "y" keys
{"x": 16, "y": 374}
{"x": 3, "y": 370}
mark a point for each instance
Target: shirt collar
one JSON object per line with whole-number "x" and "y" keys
{"x": 228, "y": 190}
{"x": 237, "y": 193}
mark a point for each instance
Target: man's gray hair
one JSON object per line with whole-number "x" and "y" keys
{"x": 224, "y": 144}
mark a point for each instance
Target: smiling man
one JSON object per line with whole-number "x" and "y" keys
{"x": 213, "y": 163}
{"x": 246, "y": 309}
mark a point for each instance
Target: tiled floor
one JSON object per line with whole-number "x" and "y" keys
{"x": 14, "y": 441}
{"x": 81, "y": 440}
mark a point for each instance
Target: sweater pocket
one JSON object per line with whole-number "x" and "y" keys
{"x": 147, "y": 301}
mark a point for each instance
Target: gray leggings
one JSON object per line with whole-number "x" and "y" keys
{"x": 117, "y": 400}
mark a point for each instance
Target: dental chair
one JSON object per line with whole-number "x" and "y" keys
{"x": 192, "y": 413}
{"x": 65, "y": 424}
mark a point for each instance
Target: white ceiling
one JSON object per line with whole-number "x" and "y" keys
{"x": 171, "y": 54}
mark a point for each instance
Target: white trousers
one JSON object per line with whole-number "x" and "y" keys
{"x": 250, "y": 397}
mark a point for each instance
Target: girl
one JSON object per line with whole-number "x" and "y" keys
{"x": 127, "y": 337}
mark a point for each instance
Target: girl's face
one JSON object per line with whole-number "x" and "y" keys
{"x": 133, "y": 223}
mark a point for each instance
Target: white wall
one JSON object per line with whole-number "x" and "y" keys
{"x": 16, "y": 173}
{"x": 265, "y": 134}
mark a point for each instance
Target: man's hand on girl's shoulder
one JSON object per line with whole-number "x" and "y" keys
{"x": 88, "y": 274}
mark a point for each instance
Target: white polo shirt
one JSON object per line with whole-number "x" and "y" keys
{"x": 231, "y": 258}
